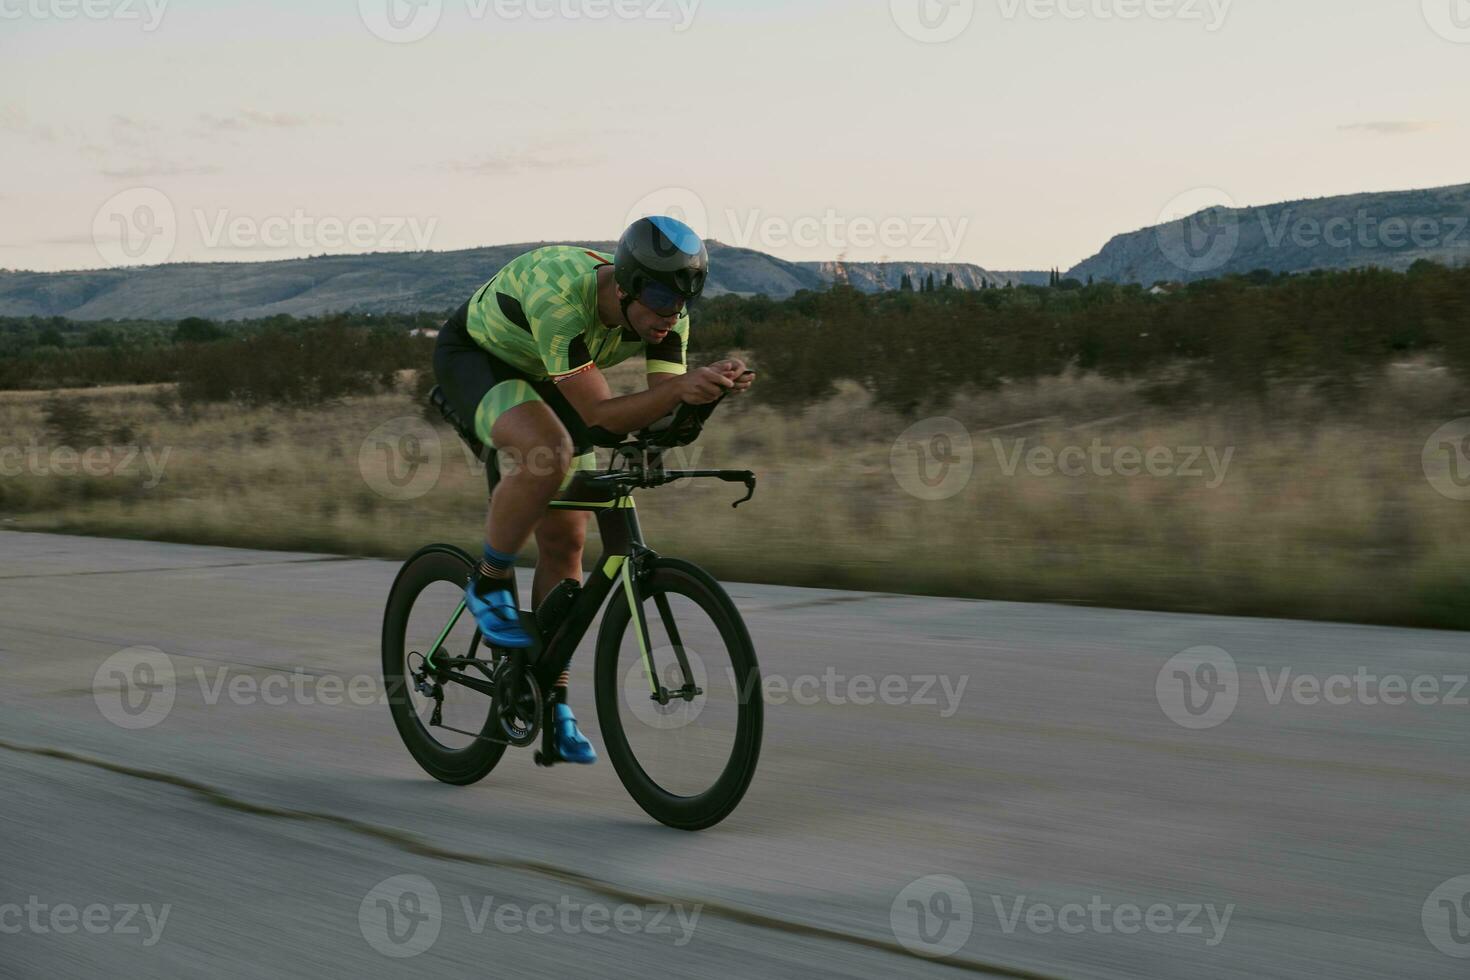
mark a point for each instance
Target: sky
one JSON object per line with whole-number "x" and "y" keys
{"x": 1014, "y": 134}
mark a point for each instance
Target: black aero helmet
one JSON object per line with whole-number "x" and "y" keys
{"x": 661, "y": 250}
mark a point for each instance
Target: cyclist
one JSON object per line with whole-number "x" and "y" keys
{"x": 523, "y": 358}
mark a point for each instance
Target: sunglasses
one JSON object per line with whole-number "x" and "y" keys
{"x": 661, "y": 299}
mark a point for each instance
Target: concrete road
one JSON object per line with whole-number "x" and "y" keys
{"x": 955, "y": 786}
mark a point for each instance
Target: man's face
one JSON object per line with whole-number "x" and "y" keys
{"x": 652, "y": 326}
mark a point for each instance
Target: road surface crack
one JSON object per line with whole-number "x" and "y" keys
{"x": 413, "y": 844}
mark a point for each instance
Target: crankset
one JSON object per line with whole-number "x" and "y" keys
{"x": 518, "y": 702}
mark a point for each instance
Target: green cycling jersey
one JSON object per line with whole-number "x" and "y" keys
{"x": 539, "y": 314}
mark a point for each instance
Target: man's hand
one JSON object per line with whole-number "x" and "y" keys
{"x": 740, "y": 376}
{"x": 703, "y": 386}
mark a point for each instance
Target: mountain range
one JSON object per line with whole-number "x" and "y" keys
{"x": 1388, "y": 230}
{"x": 395, "y": 282}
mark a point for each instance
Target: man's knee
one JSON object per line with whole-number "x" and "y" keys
{"x": 561, "y": 545}
{"x": 540, "y": 454}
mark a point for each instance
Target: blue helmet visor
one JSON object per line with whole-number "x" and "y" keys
{"x": 661, "y": 299}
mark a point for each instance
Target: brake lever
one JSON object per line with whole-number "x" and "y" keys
{"x": 746, "y": 478}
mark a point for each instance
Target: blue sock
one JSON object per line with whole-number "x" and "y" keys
{"x": 495, "y": 565}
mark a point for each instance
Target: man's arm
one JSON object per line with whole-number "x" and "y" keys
{"x": 590, "y": 395}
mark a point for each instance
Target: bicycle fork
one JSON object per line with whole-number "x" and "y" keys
{"x": 630, "y": 576}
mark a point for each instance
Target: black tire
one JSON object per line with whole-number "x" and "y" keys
{"x": 458, "y": 767}
{"x": 707, "y": 808}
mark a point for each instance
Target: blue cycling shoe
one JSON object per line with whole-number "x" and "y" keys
{"x": 571, "y": 744}
{"x": 495, "y": 611}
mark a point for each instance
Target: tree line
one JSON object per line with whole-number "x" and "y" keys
{"x": 1233, "y": 337}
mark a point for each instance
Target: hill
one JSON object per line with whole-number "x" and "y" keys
{"x": 1387, "y": 230}
{"x": 386, "y": 282}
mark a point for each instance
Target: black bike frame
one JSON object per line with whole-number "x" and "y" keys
{"x": 622, "y": 564}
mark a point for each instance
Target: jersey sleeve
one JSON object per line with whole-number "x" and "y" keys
{"x": 670, "y": 355}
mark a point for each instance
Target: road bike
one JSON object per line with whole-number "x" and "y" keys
{"x": 676, "y": 681}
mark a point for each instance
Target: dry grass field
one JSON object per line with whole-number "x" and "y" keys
{"x": 1074, "y": 490}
